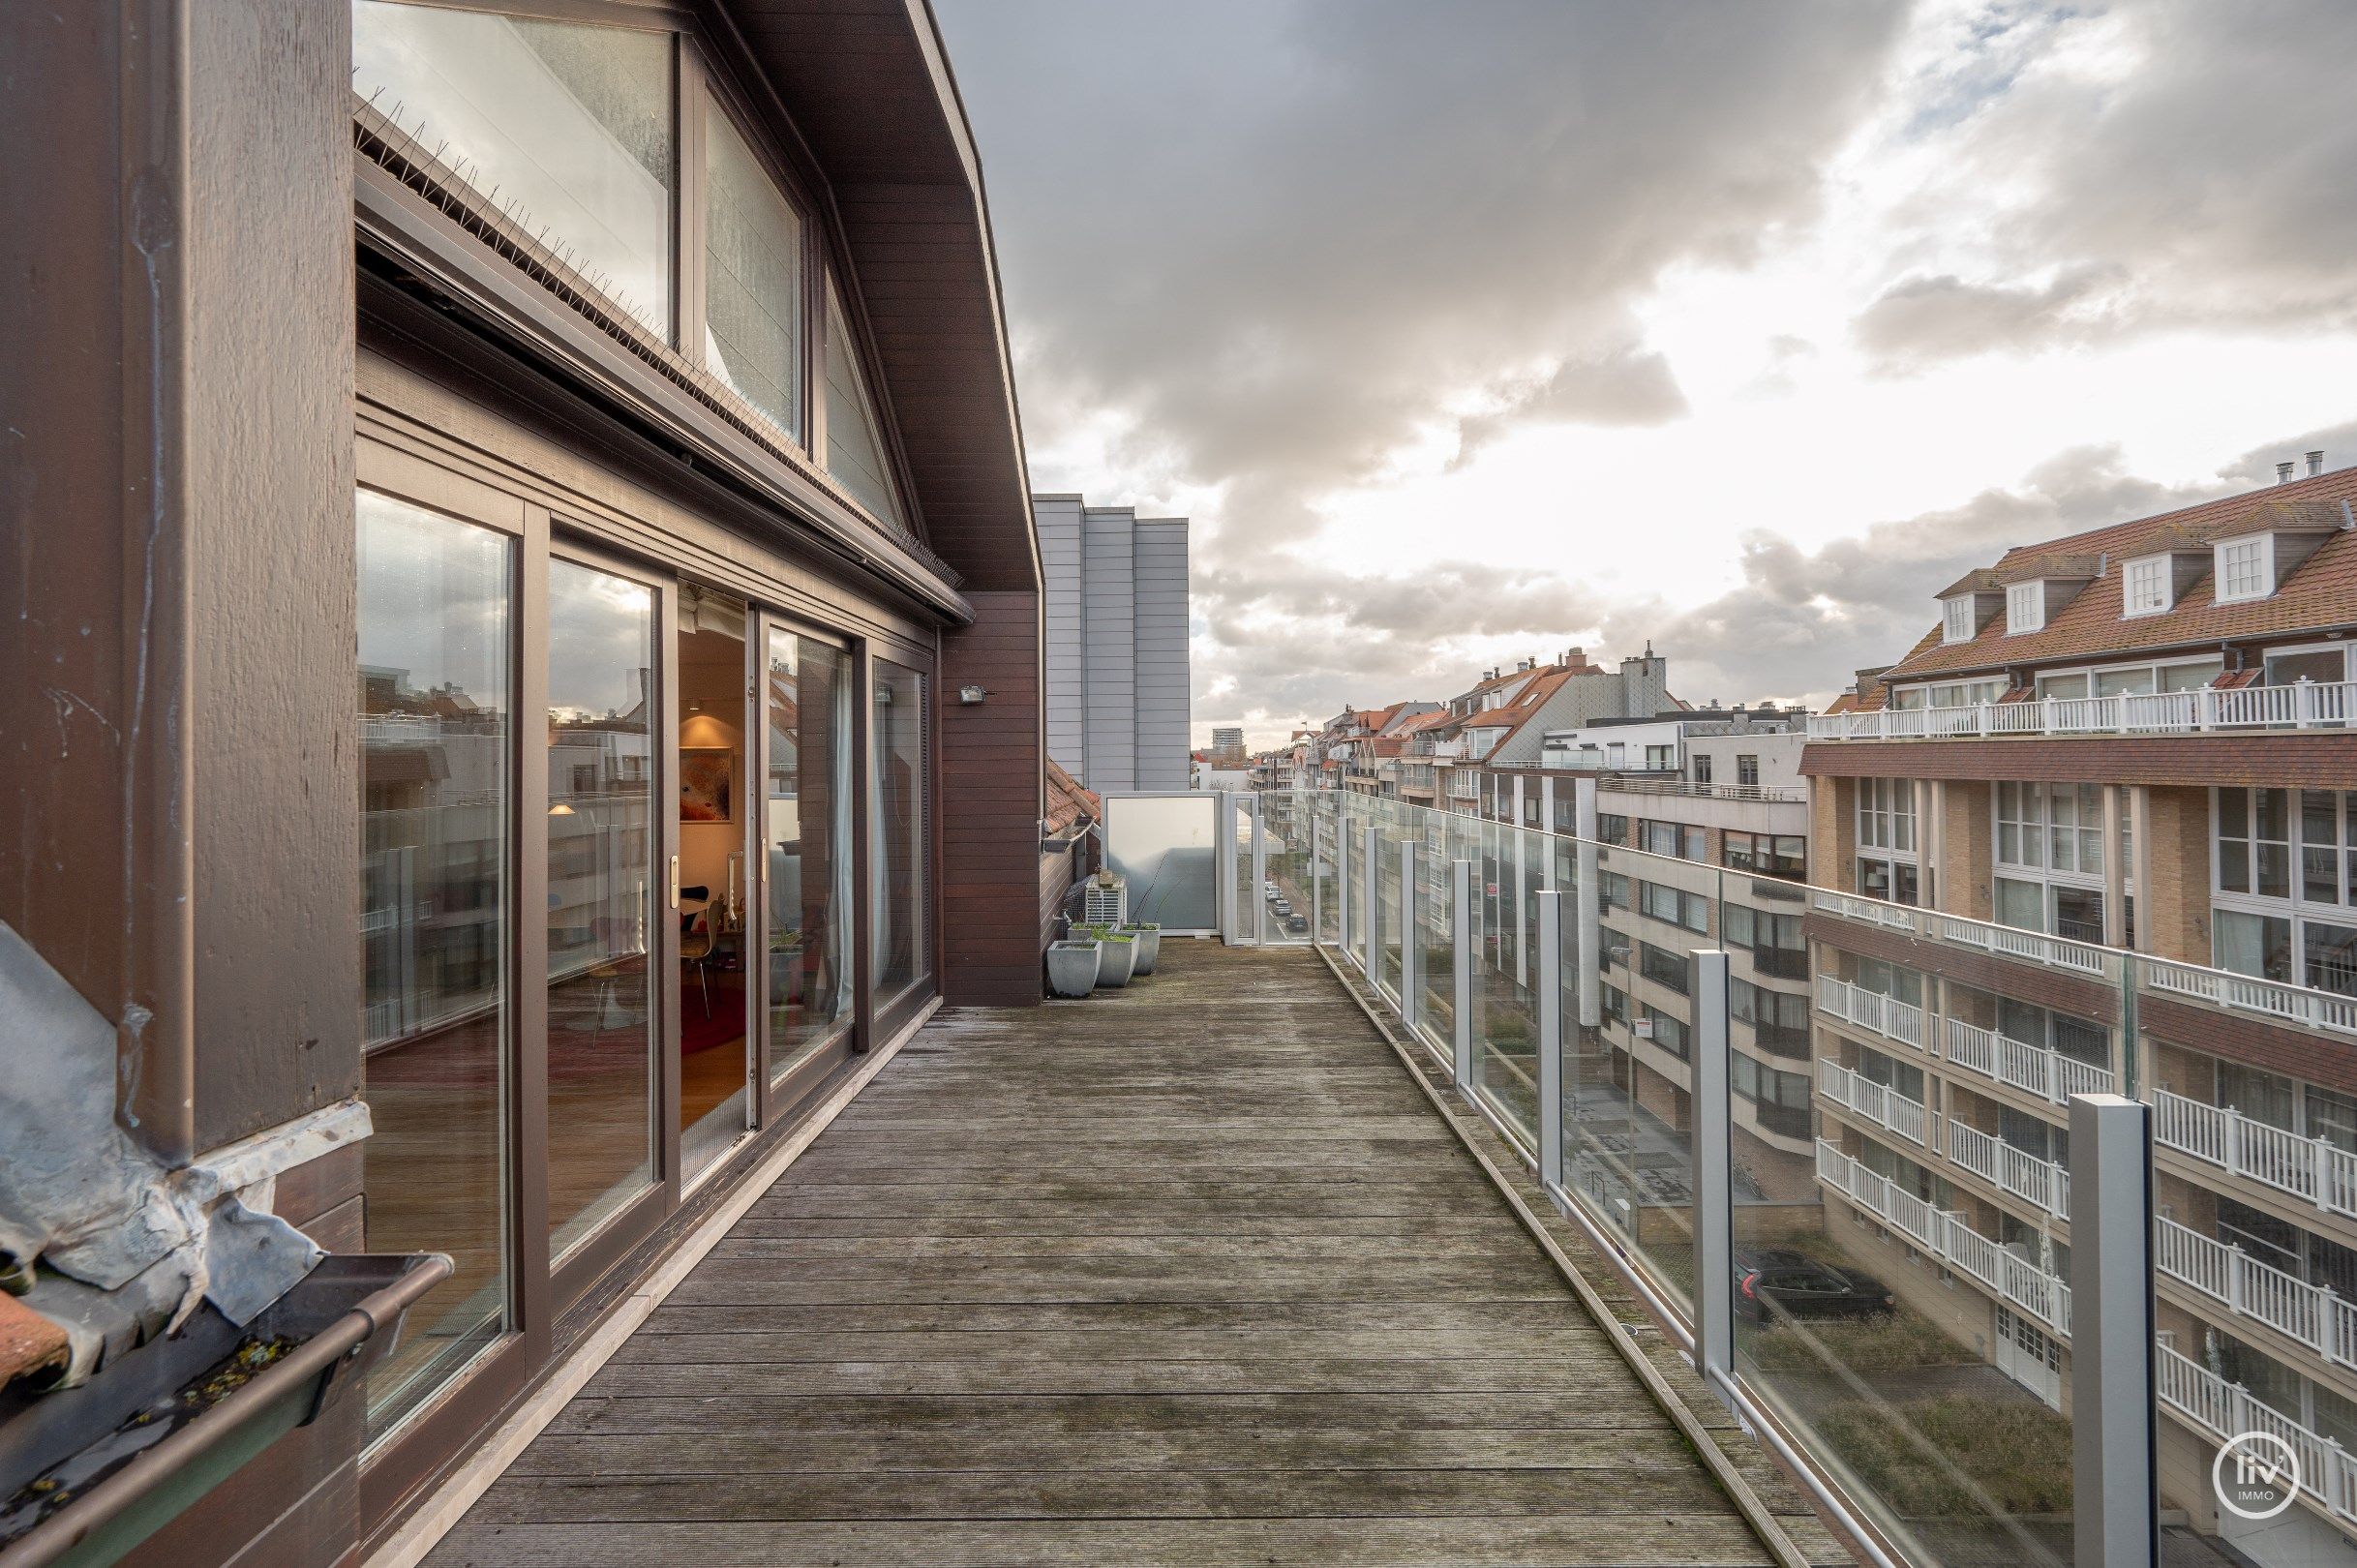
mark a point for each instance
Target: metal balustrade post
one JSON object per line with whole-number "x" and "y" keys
{"x": 1411, "y": 955}
{"x": 1714, "y": 1135}
{"x": 1590, "y": 931}
{"x": 2114, "y": 1444}
{"x": 1317, "y": 885}
{"x": 1260, "y": 870}
{"x": 1461, "y": 931}
{"x": 1369, "y": 901}
{"x": 1224, "y": 855}
{"x": 1551, "y": 1035}
{"x": 1342, "y": 883}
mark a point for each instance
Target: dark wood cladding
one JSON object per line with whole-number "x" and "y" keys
{"x": 2288, "y": 759}
{"x": 2238, "y": 1037}
{"x": 2014, "y": 977}
{"x": 992, "y": 797}
{"x": 872, "y": 99}
{"x": 181, "y": 757}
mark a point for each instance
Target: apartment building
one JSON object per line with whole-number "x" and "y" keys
{"x": 1720, "y": 792}
{"x": 2138, "y": 735}
{"x": 1118, "y": 681}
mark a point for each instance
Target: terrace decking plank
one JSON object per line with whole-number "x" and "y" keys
{"x": 1184, "y": 1273}
{"x": 1567, "y": 1540}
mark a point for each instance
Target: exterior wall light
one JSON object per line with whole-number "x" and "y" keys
{"x": 971, "y": 696}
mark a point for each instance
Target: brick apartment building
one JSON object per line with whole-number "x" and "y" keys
{"x": 2137, "y": 735}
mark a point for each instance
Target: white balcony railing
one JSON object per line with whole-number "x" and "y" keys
{"x": 2002, "y": 1165}
{"x": 2014, "y": 1278}
{"x": 1871, "y": 1102}
{"x": 2311, "y": 1313}
{"x": 2049, "y": 1075}
{"x": 2306, "y": 704}
{"x": 1957, "y": 930}
{"x": 1628, "y": 784}
{"x": 2297, "y": 1005}
{"x": 1884, "y": 1016}
{"x": 2308, "y": 1168}
{"x": 2328, "y": 1477}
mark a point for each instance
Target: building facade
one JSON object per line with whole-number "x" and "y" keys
{"x": 2140, "y": 736}
{"x": 1118, "y": 684}
{"x": 567, "y": 641}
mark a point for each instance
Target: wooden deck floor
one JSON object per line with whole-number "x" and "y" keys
{"x": 1187, "y": 1274}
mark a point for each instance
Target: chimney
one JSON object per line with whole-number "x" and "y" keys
{"x": 2316, "y": 463}
{"x": 2282, "y": 473}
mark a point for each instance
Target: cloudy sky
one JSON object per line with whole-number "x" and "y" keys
{"x": 1472, "y": 331}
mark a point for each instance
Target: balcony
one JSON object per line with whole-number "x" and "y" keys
{"x": 2220, "y": 1137}
{"x": 2320, "y": 1321}
{"x": 1869, "y": 1101}
{"x": 1870, "y": 1010}
{"x": 2034, "y": 1069}
{"x": 1027, "y": 1298}
{"x": 2009, "y": 1276}
{"x": 1930, "y": 926}
{"x": 2308, "y": 704}
{"x": 1640, "y": 784}
{"x": 2039, "y": 1181}
{"x": 2208, "y": 1403}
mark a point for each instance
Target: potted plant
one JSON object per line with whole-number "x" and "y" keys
{"x": 1148, "y": 940}
{"x": 1071, "y": 964}
{"x": 1116, "y": 956}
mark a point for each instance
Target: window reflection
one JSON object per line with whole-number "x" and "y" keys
{"x": 807, "y": 831}
{"x": 602, "y": 1021}
{"x": 571, "y": 126}
{"x": 753, "y": 304}
{"x": 435, "y": 792}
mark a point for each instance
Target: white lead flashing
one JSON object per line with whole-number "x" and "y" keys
{"x": 262, "y": 1157}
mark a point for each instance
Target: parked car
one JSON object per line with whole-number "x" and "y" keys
{"x": 1786, "y": 1283}
{"x": 1283, "y": 906}
{"x": 1296, "y": 923}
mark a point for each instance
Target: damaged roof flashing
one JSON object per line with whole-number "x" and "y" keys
{"x": 107, "y": 1242}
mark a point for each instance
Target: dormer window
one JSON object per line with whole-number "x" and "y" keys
{"x": 1957, "y": 620}
{"x": 2245, "y": 569}
{"x": 2145, "y": 590}
{"x": 2025, "y": 607}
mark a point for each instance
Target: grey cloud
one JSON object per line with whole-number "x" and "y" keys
{"x": 1800, "y": 624}
{"x": 1630, "y": 386}
{"x": 1922, "y": 321}
{"x": 1311, "y": 225}
{"x": 2208, "y": 185}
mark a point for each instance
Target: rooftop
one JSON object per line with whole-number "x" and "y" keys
{"x": 1193, "y": 1273}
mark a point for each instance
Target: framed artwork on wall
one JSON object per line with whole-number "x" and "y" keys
{"x": 707, "y": 777}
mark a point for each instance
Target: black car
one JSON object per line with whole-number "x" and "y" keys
{"x": 1784, "y": 1284}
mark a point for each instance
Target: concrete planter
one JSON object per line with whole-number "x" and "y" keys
{"x": 1148, "y": 940}
{"x": 1072, "y": 967}
{"x": 1116, "y": 956}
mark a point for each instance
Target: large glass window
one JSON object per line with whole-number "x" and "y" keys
{"x": 897, "y": 828}
{"x": 436, "y": 791}
{"x": 602, "y": 1019}
{"x": 806, "y": 838}
{"x": 855, "y": 438}
{"x": 570, "y": 126}
{"x": 753, "y": 278}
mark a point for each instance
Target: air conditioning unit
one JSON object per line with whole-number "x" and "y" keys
{"x": 1106, "y": 901}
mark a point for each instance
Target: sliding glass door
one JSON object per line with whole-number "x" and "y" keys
{"x": 899, "y": 873}
{"x": 806, "y": 848}
{"x": 437, "y": 607}
{"x": 604, "y": 1014}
